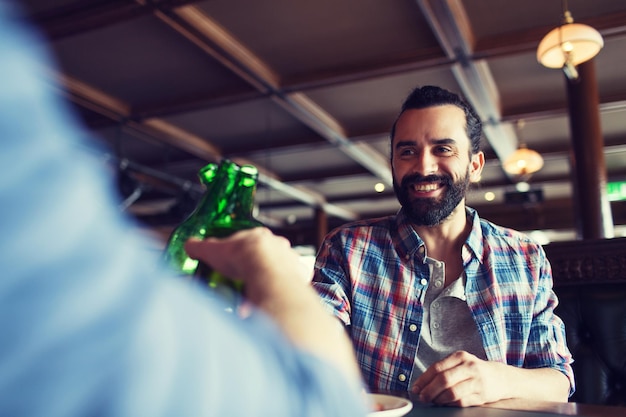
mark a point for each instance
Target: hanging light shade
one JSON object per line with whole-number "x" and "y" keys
{"x": 569, "y": 45}
{"x": 574, "y": 40}
{"x": 523, "y": 162}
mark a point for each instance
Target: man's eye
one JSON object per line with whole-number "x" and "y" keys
{"x": 406, "y": 152}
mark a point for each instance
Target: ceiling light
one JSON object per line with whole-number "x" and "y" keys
{"x": 523, "y": 162}
{"x": 490, "y": 196}
{"x": 379, "y": 187}
{"x": 569, "y": 45}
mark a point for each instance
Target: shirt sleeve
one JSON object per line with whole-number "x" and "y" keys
{"x": 90, "y": 325}
{"x": 547, "y": 344}
{"x": 330, "y": 278}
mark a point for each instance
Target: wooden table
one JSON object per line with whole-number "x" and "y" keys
{"x": 541, "y": 408}
{"x": 516, "y": 408}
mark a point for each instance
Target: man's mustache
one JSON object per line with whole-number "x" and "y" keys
{"x": 412, "y": 179}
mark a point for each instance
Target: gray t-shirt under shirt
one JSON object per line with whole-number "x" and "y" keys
{"x": 447, "y": 324}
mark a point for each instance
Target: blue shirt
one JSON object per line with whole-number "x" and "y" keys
{"x": 89, "y": 324}
{"x": 373, "y": 275}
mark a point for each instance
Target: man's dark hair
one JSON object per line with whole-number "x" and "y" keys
{"x": 430, "y": 96}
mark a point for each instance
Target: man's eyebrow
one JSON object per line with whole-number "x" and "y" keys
{"x": 444, "y": 141}
{"x": 402, "y": 143}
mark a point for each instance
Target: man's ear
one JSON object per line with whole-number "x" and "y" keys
{"x": 477, "y": 163}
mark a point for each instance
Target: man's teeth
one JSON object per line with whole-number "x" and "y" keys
{"x": 425, "y": 187}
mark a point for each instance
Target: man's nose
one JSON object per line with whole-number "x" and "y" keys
{"x": 425, "y": 163}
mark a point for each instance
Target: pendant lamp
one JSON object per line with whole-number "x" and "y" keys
{"x": 523, "y": 162}
{"x": 569, "y": 45}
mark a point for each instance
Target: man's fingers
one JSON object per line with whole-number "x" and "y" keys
{"x": 443, "y": 382}
{"x": 220, "y": 252}
{"x": 441, "y": 388}
{"x": 449, "y": 362}
{"x": 256, "y": 253}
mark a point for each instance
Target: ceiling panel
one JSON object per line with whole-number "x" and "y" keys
{"x": 370, "y": 106}
{"x": 293, "y": 37}
{"x": 245, "y": 126}
{"x": 144, "y": 62}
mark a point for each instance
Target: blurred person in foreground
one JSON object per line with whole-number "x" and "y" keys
{"x": 439, "y": 302}
{"x": 91, "y": 327}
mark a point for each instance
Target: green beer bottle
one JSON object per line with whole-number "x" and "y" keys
{"x": 219, "y": 182}
{"x": 236, "y": 214}
{"x": 225, "y": 208}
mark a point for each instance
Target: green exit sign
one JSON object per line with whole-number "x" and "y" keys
{"x": 616, "y": 190}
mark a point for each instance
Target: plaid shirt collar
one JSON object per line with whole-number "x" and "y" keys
{"x": 407, "y": 242}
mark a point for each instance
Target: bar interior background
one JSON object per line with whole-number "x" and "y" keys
{"x": 307, "y": 92}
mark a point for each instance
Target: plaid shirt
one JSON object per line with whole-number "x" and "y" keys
{"x": 372, "y": 275}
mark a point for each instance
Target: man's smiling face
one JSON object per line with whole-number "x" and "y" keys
{"x": 431, "y": 162}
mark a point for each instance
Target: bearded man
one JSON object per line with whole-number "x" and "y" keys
{"x": 437, "y": 301}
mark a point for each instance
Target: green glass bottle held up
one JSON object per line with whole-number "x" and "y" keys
{"x": 174, "y": 255}
{"x": 237, "y": 214}
{"x": 225, "y": 208}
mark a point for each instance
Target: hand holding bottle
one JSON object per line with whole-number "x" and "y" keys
{"x": 264, "y": 262}
{"x": 225, "y": 208}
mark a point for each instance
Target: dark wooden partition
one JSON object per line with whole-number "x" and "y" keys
{"x": 590, "y": 282}
{"x": 588, "y": 261}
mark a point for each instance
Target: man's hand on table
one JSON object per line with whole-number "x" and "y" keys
{"x": 464, "y": 380}
{"x": 461, "y": 380}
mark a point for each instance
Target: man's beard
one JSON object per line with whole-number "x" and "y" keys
{"x": 429, "y": 211}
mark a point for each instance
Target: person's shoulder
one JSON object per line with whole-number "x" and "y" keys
{"x": 506, "y": 236}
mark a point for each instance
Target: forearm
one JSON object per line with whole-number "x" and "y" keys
{"x": 277, "y": 283}
{"x": 462, "y": 379}
{"x": 297, "y": 309}
{"x": 544, "y": 384}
